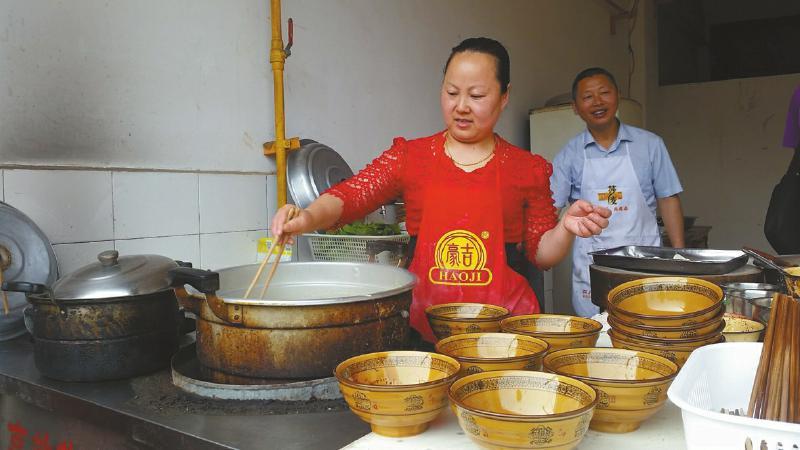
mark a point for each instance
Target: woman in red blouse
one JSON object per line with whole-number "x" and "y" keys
{"x": 472, "y": 199}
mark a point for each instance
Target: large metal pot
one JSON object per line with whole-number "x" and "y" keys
{"x": 115, "y": 318}
{"x": 316, "y": 315}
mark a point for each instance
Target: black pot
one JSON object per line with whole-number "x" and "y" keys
{"x": 114, "y": 319}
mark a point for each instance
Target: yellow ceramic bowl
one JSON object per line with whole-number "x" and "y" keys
{"x": 523, "y": 409}
{"x": 484, "y": 352}
{"x": 679, "y": 342}
{"x": 448, "y": 319}
{"x": 674, "y": 353}
{"x": 557, "y": 330}
{"x": 398, "y": 393}
{"x": 738, "y": 329}
{"x": 691, "y": 331}
{"x": 665, "y": 301}
{"x": 793, "y": 280}
{"x": 631, "y": 385}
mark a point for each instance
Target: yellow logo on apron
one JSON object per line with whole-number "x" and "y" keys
{"x": 460, "y": 259}
{"x": 611, "y": 196}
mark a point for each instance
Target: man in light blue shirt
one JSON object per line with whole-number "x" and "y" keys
{"x": 619, "y": 166}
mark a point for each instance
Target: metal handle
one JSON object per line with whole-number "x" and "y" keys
{"x": 778, "y": 262}
{"x": 288, "y": 49}
{"x": 206, "y": 282}
{"x": 30, "y": 289}
{"x": 763, "y": 258}
{"x": 24, "y": 287}
{"x": 108, "y": 257}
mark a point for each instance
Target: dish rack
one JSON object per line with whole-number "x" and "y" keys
{"x": 717, "y": 377}
{"x": 391, "y": 250}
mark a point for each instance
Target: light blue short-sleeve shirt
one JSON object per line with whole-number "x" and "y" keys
{"x": 651, "y": 162}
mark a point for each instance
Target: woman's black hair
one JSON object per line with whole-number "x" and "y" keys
{"x": 590, "y": 72}
{"x": 489, "y": 47}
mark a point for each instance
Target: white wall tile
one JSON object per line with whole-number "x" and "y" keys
{"x": 182, "y": 248}
{"x": 220, "y": 250}
{"x": 2, "y": 195}
{"x": 69, "y": 206}
{"x": 149, "y": 204}
{"x": 232, "y": 203}
{"x": 74, "y": 256}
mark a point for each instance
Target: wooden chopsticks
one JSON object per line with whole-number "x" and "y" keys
{"x": 293, "y": 212}
{"x": 775, "y": 394}
{"x": 5, "y": 295}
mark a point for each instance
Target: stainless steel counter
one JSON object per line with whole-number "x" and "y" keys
{"x": 141, "y": 413}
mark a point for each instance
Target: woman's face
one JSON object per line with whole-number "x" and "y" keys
{"x": 471, "y": 99}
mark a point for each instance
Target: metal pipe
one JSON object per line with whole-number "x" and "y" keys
{"x": 277, "y": 56}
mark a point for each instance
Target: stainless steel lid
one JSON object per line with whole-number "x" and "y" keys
{"x": 312, "y": 169}
{"x": 25, "y": 255}
{"x": 114, "y": 276}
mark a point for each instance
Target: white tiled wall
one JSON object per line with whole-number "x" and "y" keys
{"x": 229, "y": 249}
{"x": 210, "y": 220}
{"x": 232, "y": 203}
{"x": 155, "y": 204}
{"x": 182, "y": 248}
{"x": 73, "y": 256}
{"x": 68, "y": 205}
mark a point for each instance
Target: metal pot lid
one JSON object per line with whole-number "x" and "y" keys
{"x": 114, "y": 276}
{"x": 312, "y": 169}
{"x": 25, "y": 255}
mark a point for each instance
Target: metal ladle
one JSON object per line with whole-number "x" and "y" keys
{"x": 770, "y": 260}
{"x": 773, "y": 262}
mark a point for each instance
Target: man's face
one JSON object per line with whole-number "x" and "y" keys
{"x": 596, "y": 101}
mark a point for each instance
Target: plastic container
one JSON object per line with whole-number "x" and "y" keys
{"x": 721, "y": 376}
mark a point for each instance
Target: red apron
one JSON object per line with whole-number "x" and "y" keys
{"x": 460, "y": 252}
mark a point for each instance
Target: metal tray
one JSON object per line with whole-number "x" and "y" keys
{"x": 694, "y": 261}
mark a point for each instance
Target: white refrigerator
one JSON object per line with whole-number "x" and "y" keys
{"x": 551, "y": 127}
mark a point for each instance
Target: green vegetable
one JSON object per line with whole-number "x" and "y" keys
{"x": 359, "y": 228}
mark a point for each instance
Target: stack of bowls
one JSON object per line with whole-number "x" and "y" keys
{"x": 668, "y": 316}
{"x": 484, "y": 352}
{"x": 631, "y": 385}
{"x": 399, "y": 393}
{"x": 557, "y": 330}
{"x": 516, "y": 409}
{"x": 448, "y": 319}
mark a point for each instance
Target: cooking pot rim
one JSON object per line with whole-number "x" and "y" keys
{"x": 408, "y": 285}
{"x": 67, "y": 302}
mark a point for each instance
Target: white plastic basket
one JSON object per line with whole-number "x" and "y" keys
{"x": 721, "y": 376}
{"x": 390, "y": 250}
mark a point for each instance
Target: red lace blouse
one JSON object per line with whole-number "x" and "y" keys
{"x": 402, "y": 170}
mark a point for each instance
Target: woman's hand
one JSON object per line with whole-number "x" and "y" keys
{"x": 288, "y": 222}
{"x": 321, "y": 214}
{"x": 584, "y": 219}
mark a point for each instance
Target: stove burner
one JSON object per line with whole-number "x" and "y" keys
{"x": 192, "y": 377}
